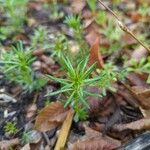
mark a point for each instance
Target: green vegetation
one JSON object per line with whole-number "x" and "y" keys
{"x": 144, "y": 9}
{"x": 78, "y": 78}
{"x": 113, "y": 34}
{"x": 60, "y": 47}
{"x": 16, "y": 15}
{"x": 142, "y": 66}
{"x": 39, "y": 38}
{"x": 10, "y": 128}
{"x": 74, "y": 22}
{"x": 17, "y": 67}
{"x": 92, "y": 4}
{"x": 25, "y": 137}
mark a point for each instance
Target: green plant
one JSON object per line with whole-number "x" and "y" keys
{"x": 74, "y": 87}
{"x": 140, "y": 66}
{"x": 109, "y": 74}
{"x": 25, "y": 137}
{"x": 39, "y": 38}
{"x": 92, "y": 4}
{"x": 10, "y": 128}
{"x": 100, "y": 17}
{"x": 144, "y": 9}
{"x": 60, "y": 46}
{"x": 113, "y": 33}
{"x": 74, "y": 22}
{"x": 17, "y": 67}
{"x": 55, "y": 12}
{"x": 16, "y": 14}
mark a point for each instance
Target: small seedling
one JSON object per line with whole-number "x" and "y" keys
{"x": 144, "y": 9}
{"x": 55, "y": 12}
{"x": 10, "y": 128}
{"x": 25, "y": 137}
{"x": 17, "y": 67}
{"x": 60, "y": 47}
{"x": 40, "y": 38}
{"x": 74, "y": 86}
{"x": 100, "y": 17}
{"x": 16, "y": 14}
{"x": 140, "y": 66}
{"x": 74, "y": 22}
{"x": 92, "y": 4}
{"x": 113, "y": 33}
{"x": 78, "y": 78}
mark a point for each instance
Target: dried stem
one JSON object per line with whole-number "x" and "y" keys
{"x": 124, "y": 27}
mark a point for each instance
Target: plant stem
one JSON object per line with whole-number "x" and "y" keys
{"x": 124, "y": 27}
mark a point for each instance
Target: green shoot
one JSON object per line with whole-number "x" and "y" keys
{"x": 60, "y": 47}
{"x": 92, "y": 4}
{"x": 74, "y": 86}
{"x": 141, "y": 66}
{"x": 78, "y": 78}
{"x": 25, "y": 137}
{"x": 10, "y": 128}
{"x": 144, "y": 9}
{"x": 18, "y": 68}
{"x": 100, "y": 17}
{"x": 74, "y": 22}
{"x": 16, "y": 14}
{"x": 108, "y": 75}
{"x": 40, "y": 38}
{"x": 113, "y": 33}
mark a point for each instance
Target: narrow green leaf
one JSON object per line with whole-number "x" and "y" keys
{"x": 57, "y": 92}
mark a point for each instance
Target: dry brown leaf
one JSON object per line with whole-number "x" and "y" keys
{"x": 51, "y": 117}
{"x": 6, "y": 144}
{"x": 26, "y": 147}
{"x": 95, "y": 56}
{"x": 135, "y": 125}
{"x": 143, "y": 95}
{"x": 139, "y": 53}
{"x": 95, "y": 141}
{"x": 92, "y": 31}
{"x": 78, "y": 5}
{"x": 31, "y": 110}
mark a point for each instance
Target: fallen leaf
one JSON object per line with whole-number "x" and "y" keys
{"x": 95, "y": 55}
{"x": 51, "y": 117}
{"x": 31, "y": 110}
{"x": 95, "y": 141}
{"x": 78, "y": 5}
{"x": 26, "y": 147}
{"x": 138, "y": 54}
{"x": 6, "y": 144}
{"x": 143, "y": 95}
{"x": 135, "y": 125}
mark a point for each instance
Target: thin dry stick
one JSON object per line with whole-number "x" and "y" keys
{"x": 123, "y": 27}
{"x": 64, "y": 132}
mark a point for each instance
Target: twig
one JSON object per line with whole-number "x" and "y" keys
{"x": 124, "y": 27}
{"x": 64, "y": 132}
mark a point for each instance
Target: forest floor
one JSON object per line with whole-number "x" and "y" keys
{"x": 30, "y": 120}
